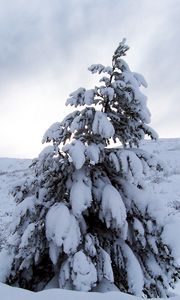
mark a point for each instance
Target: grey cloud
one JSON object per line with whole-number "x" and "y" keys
{"x": 33, "y": 33}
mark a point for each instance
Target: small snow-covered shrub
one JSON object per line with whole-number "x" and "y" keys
{"x": 86, "y": 215}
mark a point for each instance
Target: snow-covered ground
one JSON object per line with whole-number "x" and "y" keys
{"x": 9, "y": 293}
{"x": 166, "y": 185}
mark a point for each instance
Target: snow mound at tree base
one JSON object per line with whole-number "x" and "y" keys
{"x": 13, "y": 293}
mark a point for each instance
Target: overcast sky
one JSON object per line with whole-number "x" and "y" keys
{"x": 47, "y": 45}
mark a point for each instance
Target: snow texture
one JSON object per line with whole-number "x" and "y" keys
{"x": 113, "y": 211}
{"x": 102, "y": 126}
{"x": 98, "y": 68}
{"x": 76, "y": 150}
{"x": 80, "y": 193}
{"x": 93, "y": 153}
{"x": 105, "y": 268}
{"x": 133, "y": 269}
{"x": 62, "y": 229}
{"x": 53, "y": 133}
{"x": 5, "y": 264}
{"x": 170, "y": 234}
{"x": 21, "y": 209}
{"x": 84, "y": 272}
{"x": 81, "y": 97}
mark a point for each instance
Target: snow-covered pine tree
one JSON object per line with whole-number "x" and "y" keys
{"x": 86, "y": 214}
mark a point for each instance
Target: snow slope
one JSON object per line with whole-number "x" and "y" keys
{"x": 9, "y": 293}
{"x": 165, "y": 185}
